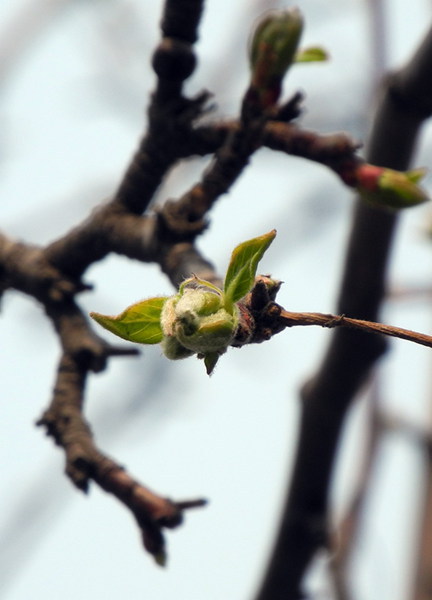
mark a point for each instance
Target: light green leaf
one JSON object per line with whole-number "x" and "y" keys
{"x": 138, "y": 323}
{"x": 241, "y": 272}
{"x": 416, "y": 175}
{"x": 312, "y": 54}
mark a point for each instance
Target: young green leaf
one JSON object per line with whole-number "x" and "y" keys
{"x": 241, "y": 272}
{"x": 312, "y": 54}
{"x": 138, "y": 323}
{"x": 274, "y": 43}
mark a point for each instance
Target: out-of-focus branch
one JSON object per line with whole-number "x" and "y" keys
{"x": 423, "y": 577}
{"x": 170, "y": 114}
{"x": 113, "y": 228}
{"x": 346, "y": 532}
{"x": 169, "y": 135}
{"x": 406, "y": 101}
{"x": 422, "y": 580}
{"x": 64, "y": 421}
{"x": 184, "y": 218}
{"x": 337, "y": 151}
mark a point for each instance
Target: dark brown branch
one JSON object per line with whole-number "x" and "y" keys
{"x": 180, "y": 261}
{"x": 109, "y": 228}
{"x": 422, "y": 584}
{"x": 181, "y": 19}
{"x": 183, "y": 219}
{"x": 336, "y": 151}
{"x": 170, "y": 131}
{"x": 64, "y": 422}
{"x": 406, "y": 101}
{"x": 25, "y": 268}
{"x": 78, "y": 339}
{"x": 171, "y": 116}
{"x": 169, "y": 138}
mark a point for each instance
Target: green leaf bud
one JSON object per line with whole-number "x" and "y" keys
{"x": 387, "y": 187}
{"x": 272, "y": 50}
{"x": 197, "y": 321}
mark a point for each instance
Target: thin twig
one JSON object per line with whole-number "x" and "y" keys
{"x": 292, "y": 319}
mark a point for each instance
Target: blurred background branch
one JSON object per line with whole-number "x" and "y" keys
{"x": 406, "y": 101}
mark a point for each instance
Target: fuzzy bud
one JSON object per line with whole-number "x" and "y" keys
{"x": 198, "y": 323}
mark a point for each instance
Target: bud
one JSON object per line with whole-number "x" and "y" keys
{"x": 272, "y": 285}
{"x": 173, "y": 349}
{"x": 272, "y": 51}
{"x": 386, "y": 187}
{"x": 195, "y": 321}
{"x": 201, "y": 319}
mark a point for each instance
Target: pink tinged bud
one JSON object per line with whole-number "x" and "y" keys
{"x": 387, "y": 187}
{"x": 368, "y": 176}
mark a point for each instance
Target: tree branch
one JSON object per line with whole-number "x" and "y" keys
{"x": 64, "y": 422}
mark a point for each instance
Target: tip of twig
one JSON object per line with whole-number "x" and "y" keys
{"x": 123, "y": 351}
{"x": 160, "y": 558}
{"x": 187, "y": 504}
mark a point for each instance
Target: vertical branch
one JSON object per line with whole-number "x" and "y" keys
{"x": 170, "y": 114}
{"x": 406, "y": 100}
{"x": 347, "y": 532}
{"x": 423, "y": 579}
